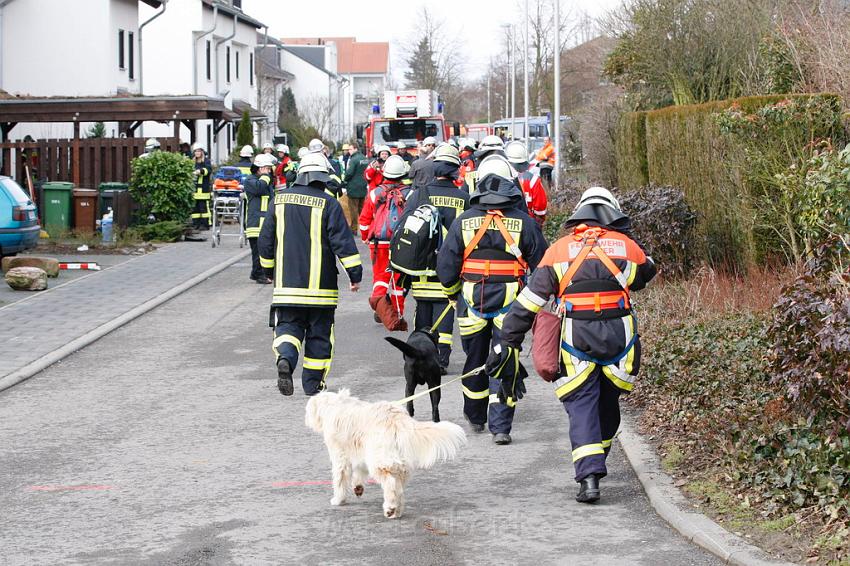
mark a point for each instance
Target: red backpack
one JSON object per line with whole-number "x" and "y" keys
{"x": 389, "y": 207}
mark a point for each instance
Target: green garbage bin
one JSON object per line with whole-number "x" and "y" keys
{"x": 57, "y": 207}
{"x": 117, "y": 197}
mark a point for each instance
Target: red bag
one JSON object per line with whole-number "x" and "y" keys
{"x": 388, "y": 314}
{"x": 546, "y": 345}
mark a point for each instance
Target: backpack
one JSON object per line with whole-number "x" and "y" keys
{"x": 388, "y": 210}
{"x": 413, "y": 247}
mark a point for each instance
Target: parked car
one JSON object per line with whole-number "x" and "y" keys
{"x": 19, "y": 227}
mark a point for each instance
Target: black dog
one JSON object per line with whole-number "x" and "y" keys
{"x": 421, "y": 367}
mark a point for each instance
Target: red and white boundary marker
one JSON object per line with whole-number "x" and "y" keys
{"x": 88, "y": 266}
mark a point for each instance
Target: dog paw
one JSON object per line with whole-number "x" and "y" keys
{"x": 337, "y": 501}
{"x": 358, "y": 490}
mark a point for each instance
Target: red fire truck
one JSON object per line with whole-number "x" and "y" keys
{"x": 409, "y": 116}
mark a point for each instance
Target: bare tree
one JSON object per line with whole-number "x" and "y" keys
{"x": 318, "y": 112}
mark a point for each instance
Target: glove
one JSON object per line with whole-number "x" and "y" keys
{"x": 503, "y": 364}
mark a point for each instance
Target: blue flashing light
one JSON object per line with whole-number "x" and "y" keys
{"x": 440, "y": 108}
{"x": 376, "y": 109}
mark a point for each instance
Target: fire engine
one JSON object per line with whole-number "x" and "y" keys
{"x": 409, "y": 116}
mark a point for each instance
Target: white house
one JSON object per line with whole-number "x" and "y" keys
{"x": 202, "y": 47}
{"x": 71, "y": 49}
{"x": 271, "y": 80}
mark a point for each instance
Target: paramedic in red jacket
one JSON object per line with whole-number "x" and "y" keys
{"x": 374, "y": 172}
{"x": 529, "y": 181}
{"x": 393, "y": 187}
{"x": 593, "y": 269}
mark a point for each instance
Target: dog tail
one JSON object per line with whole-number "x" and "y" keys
{"x": 434, "y": 442}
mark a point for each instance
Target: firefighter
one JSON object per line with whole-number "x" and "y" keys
{"x": 490, "y": 145}
{"x": 301, "y": 239}
{"x": 545, "y": 160}
{"x": 373, "y": 173}
{"x": 151, "y": 145}
{"x": 373, "y": 230}
{"x": 450, "y": 201}
{"x": 484, "y": 258}
{"x": 529, "y": 181}
{"x": 202, "y": 172}
{"x": 259, "y": 189}
{"x": 285, "y": 171}
{"x": 246, "y": 160}
{"x": 591, "y": 272}
{"x": 467, "y": 163}
{"x": 404, "y": 153}
{"x": 422, "y": 170}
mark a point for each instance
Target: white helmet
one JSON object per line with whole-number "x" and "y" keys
{"x": 448, "y": 153}
{"x": 315, "y": 145}
{"x": 302, "y": 152}
{"x": 491, "y": 143}
{"x": 515, "y": 152}
{"x": 151, "y": 144}
{"x": 246, "y": 151}
{"x": 268, "y": 145}
{"x": 198, "y": 146}
{"x": 467, "y": 143}
{"x": 395, "y": 167}
{"x": 264, "y": 160}
{"x": 496, "y": 165}
{"x": 282, "y": 148}
{"x": 430, "y": 140}
{"x": 380, "y": 148}
{"x": 313, "y": 162}
{"x": 598, "y": 195}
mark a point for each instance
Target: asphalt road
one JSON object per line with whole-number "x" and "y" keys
{"x": 167, "y": 442}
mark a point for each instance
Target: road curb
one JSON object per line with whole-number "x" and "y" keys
{"x": 80, "y": 342}
{"x": 673, "y": 507}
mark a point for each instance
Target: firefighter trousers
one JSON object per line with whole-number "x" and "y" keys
{"x": 480, "y": 401}
{"x": 309, "y": 329}
{"x": 427, "y": 313}
{"x": 594, "y": 410}
{"x": 385, "y": 282}
{"x": 257, "y": 271}
{"x": 201, "y": 213}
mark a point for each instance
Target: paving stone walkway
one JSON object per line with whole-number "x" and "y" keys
{"x": 38, "y": 325}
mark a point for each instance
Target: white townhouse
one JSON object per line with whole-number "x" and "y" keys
{"x": 69, "y": 48}
{"x": 206, "y": 48}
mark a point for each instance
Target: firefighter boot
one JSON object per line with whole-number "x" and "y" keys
{"x": 475, "y": 427}
{"x": 284, "y": 377}
{"x": 588, "y": 492}
{"x": 502, "y": 438}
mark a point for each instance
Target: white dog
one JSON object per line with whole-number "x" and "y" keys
{"x": 377, "y": 440}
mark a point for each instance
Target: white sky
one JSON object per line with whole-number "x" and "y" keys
{"x": 391, "y": 20}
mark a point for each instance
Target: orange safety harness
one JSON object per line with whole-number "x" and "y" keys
{"x": 571, "y": 302}
{"x": 484, "y": 268}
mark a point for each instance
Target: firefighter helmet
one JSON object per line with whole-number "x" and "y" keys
{"x": 264, "y": 160}
{"x": 467, "y": 143}
{"x": 302, "y": 152}
{"x": 515, "y": 152}
{"x": 495, "y": 165}
{"x": 491, "y": 143}
{"x": 598, "y": 195}
{"x": 395, "y": 167}
{"x": 447, "y": 153}
{"x": 313, "y": 163}
{"x": 197, "y": 146}
{"x": 268, "y": 145}
{"x": 246, "y": 151}
{"x": 382, "y": 148}
{"x": 283, "y": 148}
{"x": 315, "y": 145}
{"x": 151, "y": 144}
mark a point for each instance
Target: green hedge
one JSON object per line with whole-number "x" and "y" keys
{"x": 684, "y": 147}
{"x": 630, "y": 149}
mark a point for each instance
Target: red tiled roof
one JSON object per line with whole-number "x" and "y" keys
{"x": 353, "y": 57}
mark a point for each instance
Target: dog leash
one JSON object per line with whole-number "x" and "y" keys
{"x": 451, "y": 305}
{"x": 421, "y": 393}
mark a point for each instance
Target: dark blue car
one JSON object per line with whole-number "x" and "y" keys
{"x": 19, "y": 227}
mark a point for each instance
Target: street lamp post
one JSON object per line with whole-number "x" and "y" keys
{"x": 513, "y": 81}
{"x": 525, "y": 78}
{"x": 557, "y": 110}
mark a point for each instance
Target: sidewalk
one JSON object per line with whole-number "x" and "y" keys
{"x": 44, "y": 325}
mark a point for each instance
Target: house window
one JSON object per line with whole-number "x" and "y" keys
{"x": 227, "y": 64}
{"x": 120, "y": 48}
{"x": 130, "y": 52}
{"x": 237, "y": 64}
{"x": 209, "y": 61}
{"x": 237, "y": 4}
{"x": 251, "y": 68}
